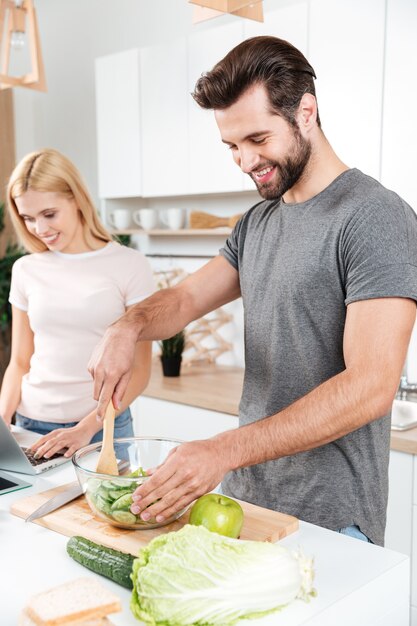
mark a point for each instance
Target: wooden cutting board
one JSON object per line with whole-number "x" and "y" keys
{"x": 76, "y": 518}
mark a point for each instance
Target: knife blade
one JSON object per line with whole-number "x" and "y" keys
{"x": 73, "y": 490}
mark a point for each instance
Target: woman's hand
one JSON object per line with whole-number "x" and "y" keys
{"x": 69, "y": 439}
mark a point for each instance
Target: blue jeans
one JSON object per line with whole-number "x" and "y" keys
{"x": 123, "y": 426}
{"x": 353, "y": 531}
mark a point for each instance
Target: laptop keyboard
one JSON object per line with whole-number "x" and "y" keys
{"x": 36, "y": 462}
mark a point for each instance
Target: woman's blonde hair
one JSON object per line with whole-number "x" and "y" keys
{"x": 49, "y": 170}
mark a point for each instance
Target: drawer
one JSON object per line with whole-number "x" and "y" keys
{"x": 415, "y": 479}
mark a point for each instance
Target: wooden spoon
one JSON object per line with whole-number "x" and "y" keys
{"x": 107, "y": 463}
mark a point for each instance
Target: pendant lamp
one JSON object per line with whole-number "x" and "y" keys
{"x": 207, "y": 9}
{"x": 17, "y": 24}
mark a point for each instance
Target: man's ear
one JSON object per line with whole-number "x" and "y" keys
{"x": 307, "y": 112}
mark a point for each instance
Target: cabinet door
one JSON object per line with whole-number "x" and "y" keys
{"x": 118, "y": 125}
{"x": 159, "y": 418}
{"x": 164, "y": 119}
{"x": 289, "y": 23}
{"x": 346, "y": 49}
{"x": 211, "y": 166}
{"x": 414, "y": 564}
{"x": 398, "y": 532}
{"x": 399, "y": 130}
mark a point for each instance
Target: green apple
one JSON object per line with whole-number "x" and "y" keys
{"x": 218, "y": 513}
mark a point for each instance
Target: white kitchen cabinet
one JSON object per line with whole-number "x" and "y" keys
{"x": 153, "y": 417}
{"x": 414, "y": 563}
{"x": 346, "y": 49}
{"x": 399, "y": 513}
{"x": 164, "y": 136}
{"x": 118, "y": 125}
{"x": 400, "y": 89}
{"x": 289, "y": 22}
{"x": 415, "y": 480}
{"x": 414, "y": 553}
{"x": 211, "y": 166}
{"x": 401, "y": 531}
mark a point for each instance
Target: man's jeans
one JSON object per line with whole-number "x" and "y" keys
{"x": 353, "y": 531}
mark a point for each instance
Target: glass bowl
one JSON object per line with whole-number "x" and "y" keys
{"x": 110, "y": 497}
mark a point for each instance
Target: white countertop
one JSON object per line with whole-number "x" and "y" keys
{"x": 358, "y": 584}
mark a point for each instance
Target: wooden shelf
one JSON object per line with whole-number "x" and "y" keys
{"x": 183, "y": 232}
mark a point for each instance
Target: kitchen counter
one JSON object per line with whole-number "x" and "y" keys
{"x": 206, "y": 386}
{"x": 357, "y": 583}
{"x": 219, "y": 387}
{"x": 404, "y": 441}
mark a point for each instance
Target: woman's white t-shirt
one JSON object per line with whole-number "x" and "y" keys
{"x": 70, "y": 300}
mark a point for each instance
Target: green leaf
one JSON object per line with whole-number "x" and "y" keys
{"x": 174, "y": 346}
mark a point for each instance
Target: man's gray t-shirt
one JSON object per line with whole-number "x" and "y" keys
{"x": 299, "y": 266}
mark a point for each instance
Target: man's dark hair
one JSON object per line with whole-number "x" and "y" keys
{"x": 269, "y": 61}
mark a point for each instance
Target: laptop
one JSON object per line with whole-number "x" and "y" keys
{"x": 15, "y": 455}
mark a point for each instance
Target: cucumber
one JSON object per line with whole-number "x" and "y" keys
{"x": 104, "y": 561}
{"x": 123, "y": 503}
{"x": 117, "y": 494}
{"x": 101, "y": 504}
{"x": 124, "y": 517}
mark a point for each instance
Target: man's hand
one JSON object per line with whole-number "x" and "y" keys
{"x": 190, "y": 470}
{"x": 111, "y": 366}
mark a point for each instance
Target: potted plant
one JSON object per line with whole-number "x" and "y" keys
{"x": 12, "y": 253}
{"x": 171, "y": 354}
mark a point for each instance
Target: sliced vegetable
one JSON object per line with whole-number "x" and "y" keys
{"x": 197, "y": 577}
{"x": 104, "y": 561}
{"x": 113, "y": 498}
{"x": 124, "y": 517}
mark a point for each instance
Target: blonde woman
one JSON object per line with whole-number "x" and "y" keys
{"x": 74, "y": 283}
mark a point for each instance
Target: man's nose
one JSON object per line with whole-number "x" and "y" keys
{"x": 248, "y": 159}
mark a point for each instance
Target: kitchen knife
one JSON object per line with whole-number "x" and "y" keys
{"x": 73, "y": 490}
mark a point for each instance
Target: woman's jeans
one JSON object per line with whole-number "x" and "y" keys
{"x": 123, "y": 426}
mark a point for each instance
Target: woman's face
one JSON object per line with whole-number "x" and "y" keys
{"x": 54, "y": 219}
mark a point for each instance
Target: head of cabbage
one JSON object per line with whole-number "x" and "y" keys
{"x": 197, "y": 577}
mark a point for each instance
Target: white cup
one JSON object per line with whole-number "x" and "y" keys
{"x": 147, "y": 218}
{"x": 173, "y": 218}
{"x": 120, "y": 219}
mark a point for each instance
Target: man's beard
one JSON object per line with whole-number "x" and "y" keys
{"x": 288, "y": 172}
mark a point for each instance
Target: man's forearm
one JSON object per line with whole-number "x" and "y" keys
{"x": 160, "y": 316}
{"x": 338, "y": 406}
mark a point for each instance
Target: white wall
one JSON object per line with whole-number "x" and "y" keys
{"x": 75, "y": 32}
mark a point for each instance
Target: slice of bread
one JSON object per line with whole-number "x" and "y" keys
{"x": 71, "y": 603}
{"x": 25, "y": 620}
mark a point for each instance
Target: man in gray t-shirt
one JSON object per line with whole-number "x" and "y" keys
{"x": 326, "y": 266}
{"x": 358, "y": 242}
